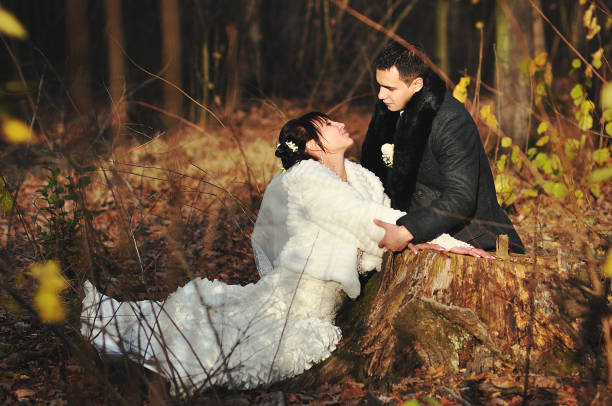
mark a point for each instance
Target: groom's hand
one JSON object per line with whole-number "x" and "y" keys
{"x": 396, "y": 237}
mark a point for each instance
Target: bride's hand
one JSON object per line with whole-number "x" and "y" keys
{"x": 474, "y": 252}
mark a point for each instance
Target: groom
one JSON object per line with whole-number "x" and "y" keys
{"x": 439, "y": 173}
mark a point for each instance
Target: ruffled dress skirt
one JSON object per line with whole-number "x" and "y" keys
{"x": 210, "y": 333}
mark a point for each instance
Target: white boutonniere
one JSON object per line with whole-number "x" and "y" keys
{"x": 387, "y": 154}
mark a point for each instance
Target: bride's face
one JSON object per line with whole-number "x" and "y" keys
{"x": 334, "y": 136}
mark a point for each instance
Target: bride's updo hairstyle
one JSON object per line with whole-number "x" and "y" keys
{"x": 295, "y": 134}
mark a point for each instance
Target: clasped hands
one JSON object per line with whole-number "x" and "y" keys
{"x": 397, "y": 238}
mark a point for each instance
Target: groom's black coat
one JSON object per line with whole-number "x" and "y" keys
{"x": 453, "y": 190}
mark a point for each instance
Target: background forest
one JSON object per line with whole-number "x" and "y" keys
{"x": 138, "y": 137}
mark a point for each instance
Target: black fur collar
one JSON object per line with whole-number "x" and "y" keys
{"x": 411, "y": 137}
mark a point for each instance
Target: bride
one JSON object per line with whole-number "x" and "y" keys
{"x": 314, "y": 234}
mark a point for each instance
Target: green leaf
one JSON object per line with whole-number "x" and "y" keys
{"x": 576, "y": 63}
{"x": 506, "y": 142}
{"x": 6, "y": 202}
{"x": 607, "y": 115}
{"x": 577, "y": 94}
{"x": 586, "y": 106}
{"x": 601, "y": 155}
{"x": 557, "y": 189}
{"x": 543, "y": 162}
{"x": 585, "y": 122}
{"x": 609, "y": 128}
{"x": 84, "y": 181}
{"x": 599, "y": 175}
{"x": 571, "y": 148}
{"x": 531, "y": 152}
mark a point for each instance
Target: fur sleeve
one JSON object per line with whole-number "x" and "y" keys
{"x": 337, "y": 207}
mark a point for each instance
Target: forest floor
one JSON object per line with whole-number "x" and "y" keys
{"x": 208, "y": 236}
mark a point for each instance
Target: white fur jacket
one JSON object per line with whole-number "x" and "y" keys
{"x": 312, "y": 221}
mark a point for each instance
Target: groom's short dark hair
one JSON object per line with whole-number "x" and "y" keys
{"x": 408, "y": 63}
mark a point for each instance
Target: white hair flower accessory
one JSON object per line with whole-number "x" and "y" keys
{"x": 291, "y": 146}
{"x": 387, "y": 154}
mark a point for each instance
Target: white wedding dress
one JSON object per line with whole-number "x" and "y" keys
{"x": 310, "y": 231}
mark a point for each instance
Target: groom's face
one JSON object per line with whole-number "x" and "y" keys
{"x": 394, "y": 92}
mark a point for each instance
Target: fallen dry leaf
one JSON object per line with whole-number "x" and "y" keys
{"x": 23, "y": 394}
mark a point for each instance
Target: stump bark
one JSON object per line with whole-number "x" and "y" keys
{"x": 466, "y": 313}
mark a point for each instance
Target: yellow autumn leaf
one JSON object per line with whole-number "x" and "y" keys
{"x": 548, "y": 74}
{"x": 49, "y": 276}
{"x": 542, "y": 141}
{"x": 578, "y": 193}
{"x": 595, "y": 190}
{"x": 49, "y": 307}
{"x": 504, "y": 185}
{"x": 540, "y": 59}
{"x": 488, "y": 117}
{"x": 506, "y": 142}
{"x": 576, "y": 63}
{"x": 479, "y": 25}
{"x": 596, "y": 62}
{"x": 606, "y": 96}
{"x": 501, "y": 163}
{"x": 607, "y": 267}
{"x": 515, "y": 158}
{"x": 460, "y": 92}
{"x": 10, "y": 25}
{"x": 17, "y": 132}
{"x": 542, "y": 127}
{"x": 530, "y": 193}
{"x": 589, "y": 20}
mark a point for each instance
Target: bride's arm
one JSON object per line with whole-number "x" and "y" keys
{"x": 332, "y": 205}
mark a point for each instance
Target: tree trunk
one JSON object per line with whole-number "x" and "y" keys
{"x": 171, "y": 58}
{"x": 464, "y": 312}
{"x": 232, "y": 91}
{"x": 513, "y": 34}
{"x": 79, "y": 58}
{"x": 539, "y": 39}
{"x": 116, "y": 74}
{"x": 442, "y": 9}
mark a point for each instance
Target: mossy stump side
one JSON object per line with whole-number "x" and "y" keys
{"x": 438, "y": 308}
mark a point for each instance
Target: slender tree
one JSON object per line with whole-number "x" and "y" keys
{"x": 171, "y": 57}
{"x": 79, "y": 58}
{"x": 442, "y": 56}
{"x": 116, "y": 74}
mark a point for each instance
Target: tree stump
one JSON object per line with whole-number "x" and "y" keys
{"x": 438, "y": 308}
